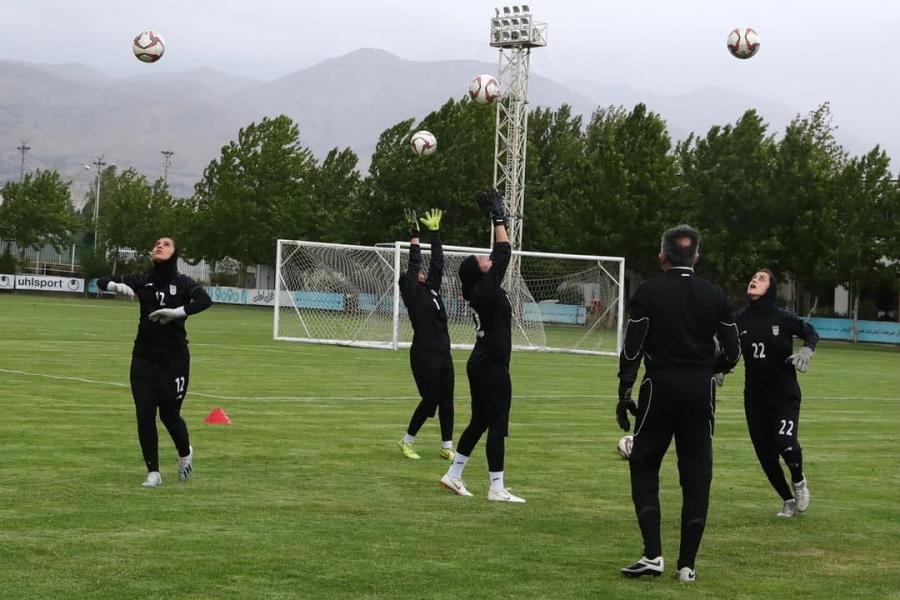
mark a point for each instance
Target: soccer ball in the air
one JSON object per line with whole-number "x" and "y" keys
{"x": 743, "y": 42}
{"x": 625, "y": 444}
{"x": 149, "y": 46}
{"x": 484, "y": 89}
{"x": 423, "y": 143}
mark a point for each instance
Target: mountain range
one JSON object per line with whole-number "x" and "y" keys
{"x": 71, "y": 113}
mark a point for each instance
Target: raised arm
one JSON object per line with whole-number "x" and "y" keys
{"x": 432, "y": 222}
{"x": 407, "y": 281}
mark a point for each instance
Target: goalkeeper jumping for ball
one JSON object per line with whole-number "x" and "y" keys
{"x": 771, "y": 391}
{"x": 160, "y": 363}
{"x": 488, "y": 365}
{"x": 429, "y": 355}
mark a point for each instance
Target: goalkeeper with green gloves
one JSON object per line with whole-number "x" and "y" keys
{"x": 429, "y": 355}
{"x": 771, "y": 391}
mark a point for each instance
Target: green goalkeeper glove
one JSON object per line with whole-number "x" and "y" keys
{"x": 432, "y": 219}
{"x": 409, "y": 216}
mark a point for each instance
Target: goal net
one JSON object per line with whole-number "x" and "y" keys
{"x": 348, "y": 295}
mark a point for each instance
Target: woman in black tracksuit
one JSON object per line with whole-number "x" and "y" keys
{"x": 160, "y": 362}
{"x": 488, "y": 365}
{"x": 771, "y": 391}
{"x": 429, "y": 355}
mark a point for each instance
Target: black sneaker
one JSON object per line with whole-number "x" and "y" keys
{"x": 645, "y": 566}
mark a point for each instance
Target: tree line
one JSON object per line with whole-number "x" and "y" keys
{"x": 792, "y": 200}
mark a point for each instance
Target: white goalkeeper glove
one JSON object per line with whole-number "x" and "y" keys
{"x": 720, "y": 379}
{"x": 801, "y": 359}
{"x": 167, "y": 315}
{"x": 120, "y": 289}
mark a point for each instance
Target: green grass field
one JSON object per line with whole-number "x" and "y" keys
{"x": 306, "y": 494}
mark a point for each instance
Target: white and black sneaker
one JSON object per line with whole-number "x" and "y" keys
{"x": 801, "y": 493}
{"x": 154, "y": 479}
{"x": 686, "y": 575}
{"x": 788, "y": 509}
{"x": 186, "y": 465}
{"x": 645, "y": 566}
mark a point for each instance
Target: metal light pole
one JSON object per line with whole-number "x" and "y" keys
{"x": 167, "y": 160}
{"x": 99, "y": 164}
{"x": 23, "y": 148}
{"x": 514, "y": 33}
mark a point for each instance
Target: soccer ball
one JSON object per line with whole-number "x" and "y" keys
{"x": 149, "y": 46}
{"x": 484, "y": 89}
{"x": 423, "y": 143}
{"x": 743, "y": 42}
{"x": 625, "y": 444}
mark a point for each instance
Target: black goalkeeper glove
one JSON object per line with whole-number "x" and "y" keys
{"x": 491, "y": 202}
{"x": 409, "y": 217}
{"x": 626, "y": 405}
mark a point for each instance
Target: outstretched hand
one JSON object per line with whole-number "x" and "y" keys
{"x": 801, "y": 359}
{"x": 432, "y": 219}
{"x": 491, "y": 202}
{"x": 120, "y": 289}
{"x": 409, "y": 217}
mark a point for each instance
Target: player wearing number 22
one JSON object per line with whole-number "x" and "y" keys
{"x": 771, "y": 392}
{"x": 160, "y": 363}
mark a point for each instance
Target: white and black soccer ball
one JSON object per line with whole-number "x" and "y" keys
{"x": 149, "y": 46}
{"x": 484, "y": 89}
{"x": 423, "y": 143}
{"x": 743, "y": 42}
{"x": 625, "y": 445}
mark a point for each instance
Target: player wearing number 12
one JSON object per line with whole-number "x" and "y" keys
{"x": 160, "y": 363}
{"x": 771, "y": 392}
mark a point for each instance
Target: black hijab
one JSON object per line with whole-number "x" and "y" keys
{"x": 164, "y": 272}
{"x": 765, "y": 304}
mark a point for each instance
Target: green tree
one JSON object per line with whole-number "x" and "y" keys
{"x": 37, "y": 210}
{"x": 727, "y": 196}
{"x": 805, "y": 163}
{"x": 242, "y": 203}
{"x": 134, "y": 214}
{"x": 448, "y": 179}
{"x": 863, "y": 249}
{"x": 555, "y": 198}
{"x": 629, "y": 176}
{"x": 323, "y": 214}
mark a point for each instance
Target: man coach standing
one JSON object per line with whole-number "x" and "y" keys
{"x": 672, "y": 324}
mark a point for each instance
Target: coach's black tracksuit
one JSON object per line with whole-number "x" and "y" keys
{"x": 160, "y": 362}
{"x": 429, "y": 355}
{"x": 672, "y": 322}
{"x": 771, "y": 392}
{"x": 488, "y": 365}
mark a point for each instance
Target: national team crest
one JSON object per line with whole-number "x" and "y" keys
{"x": 775, "y": 329}
{"x": 174, "y": 290}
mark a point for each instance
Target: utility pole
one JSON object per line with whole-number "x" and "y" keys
{"x": 167, "y": 160}
{"x": 99, "y": 164}
{"x": 23, "y": 148}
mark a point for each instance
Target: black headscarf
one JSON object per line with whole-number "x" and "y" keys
{"x": 766, "y": 303}
{"x": 469, "y": 274}
{"x": 164, "y": 272}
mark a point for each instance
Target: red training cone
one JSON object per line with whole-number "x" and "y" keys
{"x": 217, "y": 417}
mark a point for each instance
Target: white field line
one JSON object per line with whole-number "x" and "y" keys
{"x": 328, "y": 398}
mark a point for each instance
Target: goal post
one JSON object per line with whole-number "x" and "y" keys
{"x": 349, "y": 295}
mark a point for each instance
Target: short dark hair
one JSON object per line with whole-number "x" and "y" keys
{"x": 675, "y": 251}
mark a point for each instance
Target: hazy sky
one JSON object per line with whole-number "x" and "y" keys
{"x": 812, "y": 50}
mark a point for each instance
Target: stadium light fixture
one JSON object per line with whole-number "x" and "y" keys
{"x": 517, "y": 28}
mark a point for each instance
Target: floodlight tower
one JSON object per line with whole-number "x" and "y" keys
{"x": 514, "y": 33}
